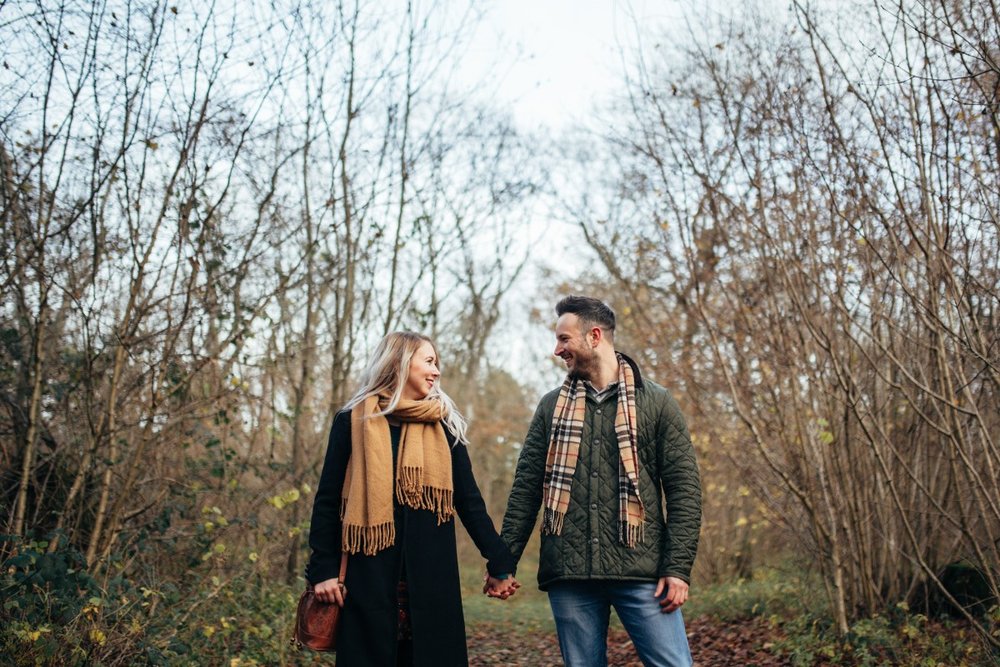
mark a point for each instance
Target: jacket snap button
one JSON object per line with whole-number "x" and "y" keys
{"x": 593, "y": 474}
{"x": 595, "y": 540}
{"x": 593, "y": 506}
{"x": 598, "y": 411}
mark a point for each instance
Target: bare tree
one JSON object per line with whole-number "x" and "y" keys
{"x": 821, "y": 216}
{"x": 208, "y": 214}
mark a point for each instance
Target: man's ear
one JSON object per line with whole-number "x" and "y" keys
{"x": 597, "y": 334}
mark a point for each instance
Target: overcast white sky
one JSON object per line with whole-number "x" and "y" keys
{"x": 551, "y": 59}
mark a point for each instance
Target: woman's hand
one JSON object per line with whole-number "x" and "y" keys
{"x": 500, "y": 588}
{"x": 330, "y": 591}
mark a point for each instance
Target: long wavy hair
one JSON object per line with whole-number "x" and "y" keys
{"x": 388, "y": 370}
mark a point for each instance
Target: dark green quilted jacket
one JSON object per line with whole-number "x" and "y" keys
{"x": 589, "y": 546}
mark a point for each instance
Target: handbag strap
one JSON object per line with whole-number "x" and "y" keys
{"x": 343, "y": 567}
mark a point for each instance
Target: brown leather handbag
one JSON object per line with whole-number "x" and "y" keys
{"x": 317, "y": 622}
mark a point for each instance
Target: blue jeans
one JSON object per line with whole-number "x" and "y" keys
{"x": 582, "y": 610}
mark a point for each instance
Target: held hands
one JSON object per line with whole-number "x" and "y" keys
{"x": 499, "y": 588}
{"x": 330, "y": 591}
{"x": 672, "y": 593}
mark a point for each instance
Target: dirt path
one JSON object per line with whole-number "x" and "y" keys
{"x": 713, "y": 644}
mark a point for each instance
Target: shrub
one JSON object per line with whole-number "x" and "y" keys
{"x": 53, "y": 612}
{"x": 899, "y": 638}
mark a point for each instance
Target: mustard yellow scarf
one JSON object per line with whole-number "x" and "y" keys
{"x": 423, "y": 471}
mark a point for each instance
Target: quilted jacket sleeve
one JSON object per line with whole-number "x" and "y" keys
{"x": 526, "y": 495}
{"x": 682, "y": 487}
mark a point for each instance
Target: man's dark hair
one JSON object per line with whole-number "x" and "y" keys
{"x": 590, "y": 310}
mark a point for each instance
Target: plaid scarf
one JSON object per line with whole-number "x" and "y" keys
{"x": 564, "y": 450}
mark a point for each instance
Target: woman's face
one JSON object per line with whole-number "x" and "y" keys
{"x": 423, "y": 372}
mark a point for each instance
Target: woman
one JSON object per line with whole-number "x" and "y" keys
{"x": 396, "y": 470}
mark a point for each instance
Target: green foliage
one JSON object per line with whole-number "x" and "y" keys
{"x": 52, "y": 612}
{"x": 899, "y": 638}
{"x": 242, "y": 621}
{"x": 776, "y": 592}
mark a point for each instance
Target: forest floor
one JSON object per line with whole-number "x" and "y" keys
{"x": 714, "y": 643}
{"x": 773, "y": 619}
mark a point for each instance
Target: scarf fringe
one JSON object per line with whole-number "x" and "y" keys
{"x": 411, "y": 493}
{"x": 633, "y": 534}
{"x": 369, "y": 539}
{"x": 552, "y": 521}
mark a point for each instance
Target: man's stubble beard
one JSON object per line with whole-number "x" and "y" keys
{"x": 585, "y": 368}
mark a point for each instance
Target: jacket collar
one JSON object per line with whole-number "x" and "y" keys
{"x": 635, "y": 369}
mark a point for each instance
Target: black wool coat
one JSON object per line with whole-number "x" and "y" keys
{"x": 368, "y": 631}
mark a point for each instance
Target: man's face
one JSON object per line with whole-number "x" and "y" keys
{"x": 575, "y": 347}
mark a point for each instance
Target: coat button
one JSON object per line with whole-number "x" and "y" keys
{"x": 593, "y": 506}
{"x": 594, "y": 474}
{"x": 598, "y": 411}
{"x": 595, "y": 540}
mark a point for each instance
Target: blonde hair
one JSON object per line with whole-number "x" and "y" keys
{"x": 387, "y": 372}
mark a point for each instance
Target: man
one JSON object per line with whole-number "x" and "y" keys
{"x": 604, "y": 454}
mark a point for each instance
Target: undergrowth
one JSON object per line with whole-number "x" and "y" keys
{"x": 52, "y": 612}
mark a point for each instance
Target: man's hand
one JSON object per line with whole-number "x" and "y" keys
{"x": 330, "y": 591}
{"x": 672, "y": 593}
{"x": 499, "y": 588}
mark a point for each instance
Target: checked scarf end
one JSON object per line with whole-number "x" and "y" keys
{"x": 552, "y": 522}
